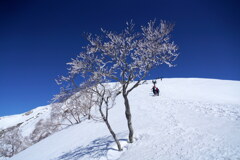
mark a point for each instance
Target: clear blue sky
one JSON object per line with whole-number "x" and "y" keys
{"x": 37, "y": 38}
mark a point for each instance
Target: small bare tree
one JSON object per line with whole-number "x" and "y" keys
{"x": 89, "y": 94}
{"x": 72, "y": 109}
{"x": 87, "y": 104}
{"x": 58, "y": 115}
{"x": 125, "y": 57}
{"x": 103, "y": 96}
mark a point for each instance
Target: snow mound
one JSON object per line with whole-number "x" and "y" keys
{"x": 191, "y": 119}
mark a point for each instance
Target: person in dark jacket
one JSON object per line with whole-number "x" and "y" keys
{"x": 156, "y": 91}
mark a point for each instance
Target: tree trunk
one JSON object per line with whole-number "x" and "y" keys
{"x": 89, "y": 113}
{"x": 129, "y": 118}
{"x": 105, "y": 119}
{"x": 114, "y": 135}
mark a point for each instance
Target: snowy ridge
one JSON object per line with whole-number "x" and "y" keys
{"x": 191, "y": 119}
{"x": 26, "y": 120}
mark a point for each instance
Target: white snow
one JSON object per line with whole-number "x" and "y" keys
{"x": 191, "y": 119}
{"x": 28, "y": 119}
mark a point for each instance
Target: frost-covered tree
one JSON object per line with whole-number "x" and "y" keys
{"x": 125, "y": 57}
{"x": 71, "y": 109}
{"x": 12, "y": 142}
{"x": 43, "y": 129}
{"x": 58, "y": 116}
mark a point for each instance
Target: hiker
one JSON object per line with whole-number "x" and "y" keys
{"x": 154, "y": 88}
{"x": 156, "y": 91}
{"x": 154, "y": 82}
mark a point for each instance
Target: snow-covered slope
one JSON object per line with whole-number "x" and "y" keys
{"x": 26, "y": 121}
{"x": 191, "y": 119}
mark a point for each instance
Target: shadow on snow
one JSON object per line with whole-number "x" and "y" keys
{"x": 96, "y": 149}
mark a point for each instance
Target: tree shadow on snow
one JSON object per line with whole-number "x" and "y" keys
{"x": 96, "y": 149}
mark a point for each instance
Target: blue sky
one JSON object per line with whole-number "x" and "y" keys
{"x": 38, "y": 38}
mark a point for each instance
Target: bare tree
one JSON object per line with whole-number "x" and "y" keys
{"x": 58, "y": 115}
{"x": 125, "y": 57}
{"x": 73, "y": 109}
{"x": 104, "y": 98}
{"x": 87, "y": 104}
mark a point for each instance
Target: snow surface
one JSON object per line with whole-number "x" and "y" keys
{"x": 27, "y": 120}
{"x": 195, "y": 119}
